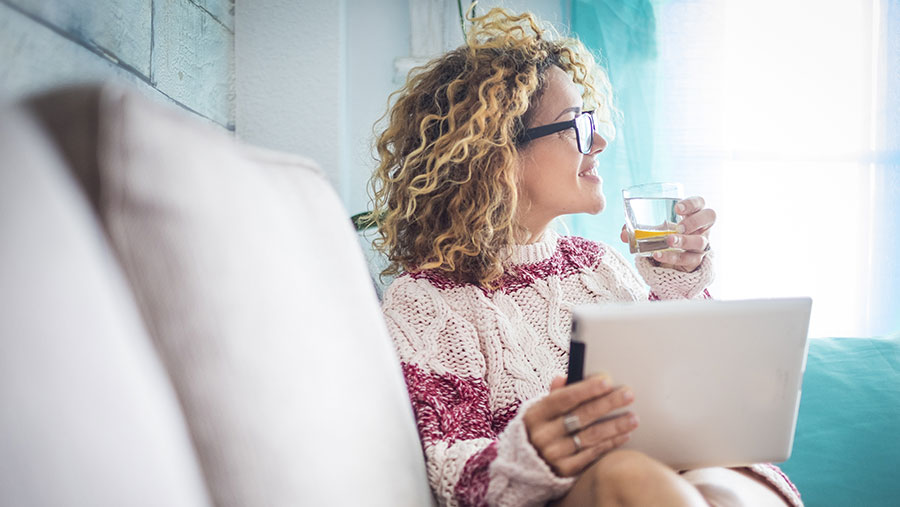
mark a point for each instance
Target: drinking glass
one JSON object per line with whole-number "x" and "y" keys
{"x": 650, "y": 215}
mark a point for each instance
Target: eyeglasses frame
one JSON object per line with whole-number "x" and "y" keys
{"x": 552, "y": 128}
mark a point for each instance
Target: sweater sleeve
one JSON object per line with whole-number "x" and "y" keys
{"x": 663, "y": 283}
{"x": 473, "y": 456}
{"x": 666, "y": 283}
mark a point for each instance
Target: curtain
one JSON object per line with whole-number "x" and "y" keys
{"x": 623, "y": 34}
{"x": 785, "y": 116}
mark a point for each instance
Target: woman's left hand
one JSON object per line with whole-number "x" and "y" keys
{"x": 692, "y": 238}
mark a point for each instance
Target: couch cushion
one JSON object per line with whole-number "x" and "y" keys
{"x": 88, "y": 414}
{"x": 247, "y": 270}
{"x": 846, "y": 449}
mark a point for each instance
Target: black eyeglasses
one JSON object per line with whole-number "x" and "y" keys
{"x": 583, "y": 125}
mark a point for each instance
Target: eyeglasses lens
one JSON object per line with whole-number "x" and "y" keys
{"x": 585, "y": 125}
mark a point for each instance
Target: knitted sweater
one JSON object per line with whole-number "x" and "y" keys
{"x": 474, "y": 360}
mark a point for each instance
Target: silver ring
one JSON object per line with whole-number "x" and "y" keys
{"x": 571, "y": 423}
{"x": 577, "y": 442}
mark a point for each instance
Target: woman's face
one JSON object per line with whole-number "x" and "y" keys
{"x": 554, "y": 177}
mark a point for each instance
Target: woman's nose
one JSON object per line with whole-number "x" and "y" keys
{"x": 598, "y": 144}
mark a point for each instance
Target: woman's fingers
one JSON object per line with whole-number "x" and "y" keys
{"x": 686, "y": 261}
{"x": 571, "y": 428}
{"x": 692, "y": 240}
{"x": 698, "y": 221}
{"x": 690, "y": 205}
{"x": 564, "y": 400}
{"x": 557, "y": 383}
{"x": 584, "y": 416}
{"x": 545, "y": 420}
{"x": 598, "y": 433}
{"x": 594, "y": 410}
{"x": 689, "y": 242}
{"x": 575, "y": 462}
{"x": 599, "y": 437}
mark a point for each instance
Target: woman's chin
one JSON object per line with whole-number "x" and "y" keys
{"x": 599, "y": 206}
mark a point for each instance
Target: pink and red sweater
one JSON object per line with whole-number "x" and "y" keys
{"x": 475, "y": 359}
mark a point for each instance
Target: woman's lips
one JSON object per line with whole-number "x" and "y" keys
{"x": 590, "y": 174}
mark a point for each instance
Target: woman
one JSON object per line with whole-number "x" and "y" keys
{"x": 484, "y": 148}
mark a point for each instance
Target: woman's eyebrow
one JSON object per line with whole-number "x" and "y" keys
{"x": 574, "y": 109}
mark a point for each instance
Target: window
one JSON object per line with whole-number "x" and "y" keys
{"x": 779, "y": 113}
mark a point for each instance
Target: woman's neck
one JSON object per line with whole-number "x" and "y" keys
{"x": 533, "y": 229}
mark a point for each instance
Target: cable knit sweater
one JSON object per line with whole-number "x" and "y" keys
{"x": 475, "y": 359}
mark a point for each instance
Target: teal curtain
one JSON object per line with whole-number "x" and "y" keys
{"x": 623, "y": 34}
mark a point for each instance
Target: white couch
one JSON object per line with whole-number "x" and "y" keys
{"x": 185, "y": 321}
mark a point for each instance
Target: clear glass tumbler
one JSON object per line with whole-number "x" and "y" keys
{"x": 650, "y": 215}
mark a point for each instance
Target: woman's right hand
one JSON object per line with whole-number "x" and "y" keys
{"x": 565, "y": 428}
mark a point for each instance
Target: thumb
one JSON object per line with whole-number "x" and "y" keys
{"x": 557, "y": 383}
{"x": 623, "y": 235}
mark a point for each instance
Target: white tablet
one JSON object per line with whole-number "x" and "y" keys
{"x": 716, "y": 383}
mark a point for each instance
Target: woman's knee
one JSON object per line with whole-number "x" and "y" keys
{"x": 626, "y": 469}
{"x": 625, "y": 477}
{"x": 626, "y": 463}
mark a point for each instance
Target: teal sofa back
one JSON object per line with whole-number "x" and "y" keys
{"x": 847, "y": 445}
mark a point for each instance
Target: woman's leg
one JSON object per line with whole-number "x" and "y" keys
{"x": 624, "y": 478}
{"x": 727, "y": 487}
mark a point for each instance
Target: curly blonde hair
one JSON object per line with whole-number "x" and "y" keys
{"x": 445, "y": 190}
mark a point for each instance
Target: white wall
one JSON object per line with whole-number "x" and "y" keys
{"x": 313, "y": 77}
{"x": 377, "y": 34}
{"x": 290, "y": 70}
